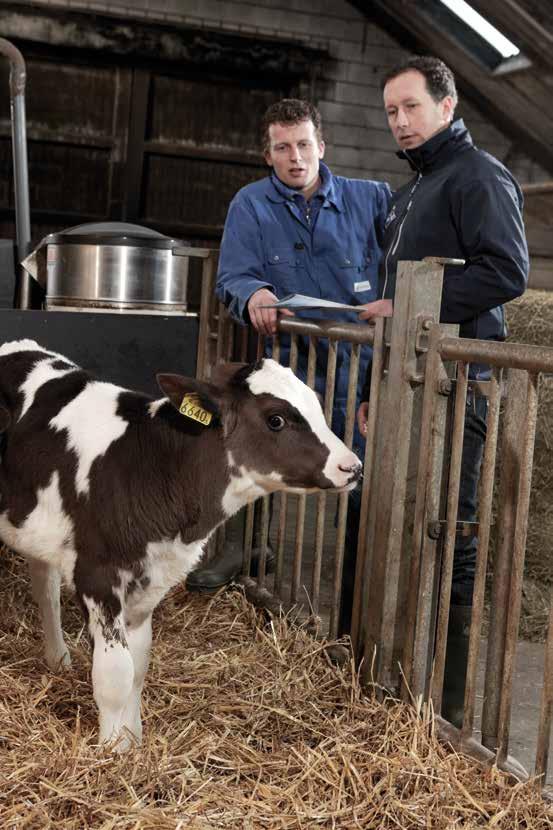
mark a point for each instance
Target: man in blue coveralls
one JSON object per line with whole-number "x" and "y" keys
{"x": 300, "y": 230}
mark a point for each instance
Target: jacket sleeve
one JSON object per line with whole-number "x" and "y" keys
{"x": 488, "y": 217}
{"x": 240, "y": 273}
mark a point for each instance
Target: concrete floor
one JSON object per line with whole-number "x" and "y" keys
{"x": 528, "y": 679}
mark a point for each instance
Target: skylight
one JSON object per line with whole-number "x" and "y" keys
{"x": 482, "y": 27}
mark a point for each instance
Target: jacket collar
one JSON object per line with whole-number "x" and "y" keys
{"x": 438, "y": 149}
{"x": 280, "y": 192}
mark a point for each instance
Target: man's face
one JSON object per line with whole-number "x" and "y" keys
{"x": 413, "y": 115}
{"x": 294, "y": 153}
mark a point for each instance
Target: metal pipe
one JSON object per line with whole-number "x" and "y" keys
{"x": 20, "y": 167}
{"x": 507, "y": 355}
{"x": 352, "y": 332}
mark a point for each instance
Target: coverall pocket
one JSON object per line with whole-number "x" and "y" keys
{"x": 283, "y": 270}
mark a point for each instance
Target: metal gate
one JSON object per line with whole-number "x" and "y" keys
{"x": 419, "y": 386}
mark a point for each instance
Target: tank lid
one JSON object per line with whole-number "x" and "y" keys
{"x": 114, "y": 233}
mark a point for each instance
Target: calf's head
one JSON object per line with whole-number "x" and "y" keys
{"x": 272, "y": 424}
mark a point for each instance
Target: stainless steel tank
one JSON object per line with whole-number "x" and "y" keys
{"x": 112, "y": 266}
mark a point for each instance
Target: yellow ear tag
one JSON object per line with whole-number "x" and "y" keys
{"x": 190, "y": 407}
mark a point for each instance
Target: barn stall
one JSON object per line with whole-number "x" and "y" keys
{"x": 132, "y": 141}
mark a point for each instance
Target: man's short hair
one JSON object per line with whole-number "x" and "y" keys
{"x": 290, "y": 111}
{"x": 439, "y": 78}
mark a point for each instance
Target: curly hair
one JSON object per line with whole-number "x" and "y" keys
{"x": 439, "y": 78}
{"x": 290, "y": 111}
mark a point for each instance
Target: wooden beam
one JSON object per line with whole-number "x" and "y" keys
{"x": 525, "y": 120}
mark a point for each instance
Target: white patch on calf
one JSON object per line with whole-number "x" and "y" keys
{"x": 46, "y": 534}
{"x": 92, "y": 424}
{"x": 37, "y": 377}
{"x": 155, "y": 406}
{"x": 280, "y": 382}
{"x": 30, "y": 346}
{"x": 247, "y": 486}
{"x": 167, "y": 563}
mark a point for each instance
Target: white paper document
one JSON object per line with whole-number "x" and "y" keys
{"x": 299, "y": 302}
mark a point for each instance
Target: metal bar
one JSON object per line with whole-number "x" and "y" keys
{"x": 208, "y": 277}
{"x": 301, "y": 503}
{"x": 418, "y": 289}
{"x": 510, "y": 454}
{"x": 352, "y": 332}
{"x": 321, "y": 498}
{"x": 517, "y": 568}
{"x": 343, "y": 498}
{"x": 18, "y": 76}
{"x": 220, "y": 342}
{"x": 366, "y": 527}
{"x": 511, "y": 355}
{"x": 484, "y": 522}
{"x": 281, "y": 539}
{"x": 449, "y": 541}
{"x": 263, "y": 539}
{"x": 546, "y": 707}
{"x": 425, "y": 563}
{"x": 248, "y": 540}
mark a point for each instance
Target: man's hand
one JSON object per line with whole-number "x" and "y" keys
{"x": 363, "y": 417}
{"x": 379, "y": 308}
{"x": 264, "y": 320}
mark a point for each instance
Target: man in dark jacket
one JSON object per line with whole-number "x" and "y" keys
{"x": 463, "y": 203}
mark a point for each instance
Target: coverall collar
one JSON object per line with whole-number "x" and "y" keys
{"x": 282, "y": 193}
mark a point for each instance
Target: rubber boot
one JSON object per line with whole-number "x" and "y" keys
{"x": 225, "y": 568}
{"x": 456, "y": 663}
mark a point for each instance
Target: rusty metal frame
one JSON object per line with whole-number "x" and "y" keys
{"x": 405, "y": 546}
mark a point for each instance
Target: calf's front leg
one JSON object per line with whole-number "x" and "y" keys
{"x": 112, "y": 674}
{"x": 45, "y": 584}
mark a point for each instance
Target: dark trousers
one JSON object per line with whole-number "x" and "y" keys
{"x": 464, "y": 562}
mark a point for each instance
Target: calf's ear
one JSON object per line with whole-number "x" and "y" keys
{"x": 185, "y": 392}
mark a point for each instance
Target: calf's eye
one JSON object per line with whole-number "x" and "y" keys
{"x": 275, "y": 422}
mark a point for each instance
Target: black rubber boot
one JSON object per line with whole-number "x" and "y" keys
{"x": 456, "y": 663}
{"x": 225, "y": 568}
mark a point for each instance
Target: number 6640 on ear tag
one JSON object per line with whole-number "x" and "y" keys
{"x": 190, "y": 407}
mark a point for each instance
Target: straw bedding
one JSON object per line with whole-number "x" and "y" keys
{"x": 247, "y": 725}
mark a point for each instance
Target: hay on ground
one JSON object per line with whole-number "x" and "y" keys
{"x": 247, "y": 725}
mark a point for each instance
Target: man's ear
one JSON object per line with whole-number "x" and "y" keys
{"x": 181, "y": 390}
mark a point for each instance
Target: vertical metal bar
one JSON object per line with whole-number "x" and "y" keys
{"x": 343, "y": 498}
{"x": 208, "y": 279}
{"x": 366, "y": 529}
{"x": 276, "y": 348}
{"x": 264, "y": 536}
{"x": 546, "y": 707}
{"x": 418, "y": 650}
{"x": 243, "y": 347}
{"x": 220, "y": 344}
{"x": 484, "y": 525}
{"x": 515, "y": 408}
{"x": 281, "y": 539}
{"x": 300, "y": 516}
{"x": 449, "y": 541}
{"x": 321, "y": 498}
{"x": 418, "y": 289}
{"x": 248, "y": 539}
{"x": 260, "y": 347}
{"x": 519, "y": 551}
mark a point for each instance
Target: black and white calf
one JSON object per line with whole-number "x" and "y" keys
{"x": 116, "y": 494}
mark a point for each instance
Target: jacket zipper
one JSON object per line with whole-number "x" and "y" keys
{"x": 395, "y": 242}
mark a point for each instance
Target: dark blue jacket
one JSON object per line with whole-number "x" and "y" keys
{"x": 462, "y": 203}
{"x": 268, "y": 243}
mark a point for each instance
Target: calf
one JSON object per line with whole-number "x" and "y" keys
{"x": 116, "y": 494}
